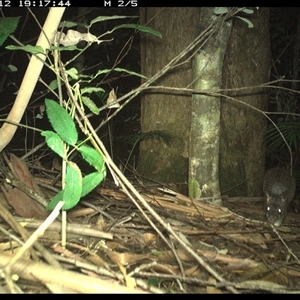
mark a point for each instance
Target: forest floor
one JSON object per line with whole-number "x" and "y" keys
{"x": 179, "y": 245}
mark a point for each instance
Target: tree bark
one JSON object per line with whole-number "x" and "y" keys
{"x": 205, "y": 112}
{"x": 242, "y": 150}
{"x": 171, "y": 113}
{"x": 246, "y": 63}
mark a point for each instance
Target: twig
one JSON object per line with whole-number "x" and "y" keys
{"x": 283, "y": 242}
{"x": 33, "y": 238}
{"x": 41, "y": 272}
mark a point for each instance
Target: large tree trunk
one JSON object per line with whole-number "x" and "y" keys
{"x": 171, "y": 113}
{"x": 247, "y": 63}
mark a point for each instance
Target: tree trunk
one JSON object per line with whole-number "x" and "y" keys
{"x": 247, "y": 63}
{"x": 205, "y": 112}
{"x": 171, "y": 113}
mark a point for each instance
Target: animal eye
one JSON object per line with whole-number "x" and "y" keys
{"x": 268, "y": 208}
{"x": 279, "y": 210}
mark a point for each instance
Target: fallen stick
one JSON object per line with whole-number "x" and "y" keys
{"x": 40, "y": 272}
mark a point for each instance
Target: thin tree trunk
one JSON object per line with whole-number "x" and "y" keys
{"x": 205, "y": 112}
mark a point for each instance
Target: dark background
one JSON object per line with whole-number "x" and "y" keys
{"x": 118, "y": 135}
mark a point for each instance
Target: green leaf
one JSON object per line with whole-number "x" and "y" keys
{"x": 12, "y": 68}
{"x": 91, "y": 181}
{"x": 71, "y": 194}
{"x": 220, "y": 10}
{"x": 54, "y": 142}
{"x": 105, "y": 18}
{"x": 73, "y": 186}
{"x": 53, "y": 85}
{"x": 89, "y": 90}
{"x": 249, "y": 23}
{"x": 290, "y": 131}
{"x": 70, "y": 24}
{"x": 73, "y": 73}
{"x": 27, "y": 48}
{"x": 129, "y": 72}
{"x": 90, "y": 104}
{"x": 248, "y": 11}
{"x": 93, "y": 157}
{"x": 7, "y": 26}
{"x": 105, "y": 71}
{"x": 61, "y": 122}
{"x": 54, "y": 200}
{"x": 62, "y": 48}
{"x": 140, "y": 28}
{"x": 8, "y": 68}
{"x": 102, "y": 96}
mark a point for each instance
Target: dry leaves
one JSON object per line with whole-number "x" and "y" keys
{"x": 111, "y": 240}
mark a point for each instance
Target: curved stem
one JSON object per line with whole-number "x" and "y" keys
{"x": 31, "y": 76}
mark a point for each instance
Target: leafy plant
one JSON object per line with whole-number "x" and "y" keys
{"x": 63, "y": 140}
{"x": 7, "y": 26}
{"x": 67, "y": 114}
{"x": 246, "y": 11}
{"x": 290, "y": 131}
{"x": 60, "y": 141}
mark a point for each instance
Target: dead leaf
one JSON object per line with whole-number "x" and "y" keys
{"x": 23, "y": 204}
{"x": 211, "y": 289}
{"x": 112, "y": 97}
{"x": 130, "y": 282}
{"x": 73, "y": 37}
